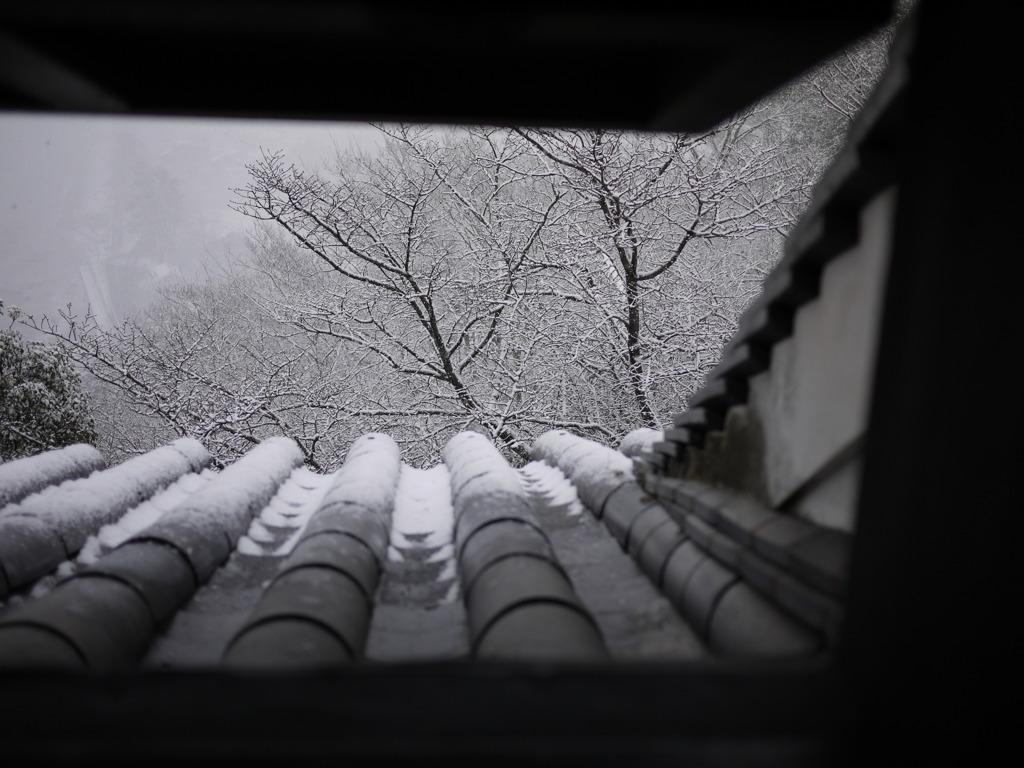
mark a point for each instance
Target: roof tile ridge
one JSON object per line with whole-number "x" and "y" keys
{"x": 111, "y": 610}
{"x": 519, "y": 600}
{"x": 682, "y": 557}
{"x": 316, "y": 611}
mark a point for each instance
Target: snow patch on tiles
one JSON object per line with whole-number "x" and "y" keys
{"x": 548, "y": 485}
{"x": 453, "y": 592}
{"x": 259, "y": 533}
{"x": 423, "y": 522}
{"x": 423, "y": 515}
{"x": 288, "y": 511}
{"x": 640, "y": 441}
{"x": 22, "y": 477}
{"x": 114, "y": 534}
{"x": 576, "y": 455}
{"x": 226, "y": 506}
{"x": 369, "y": 474}
{"x": 78, "y": 508}
{"x": 142, "y": 516}
{"x": 478, "y": 469}
{"x": 594, "y": 469}
{"x": 294, "y": 492}
{"x": 446, "y": 552}
{"x": 247, "y": 546}
{"x": 419, "y": 614}
{"x": 448, "y": 572}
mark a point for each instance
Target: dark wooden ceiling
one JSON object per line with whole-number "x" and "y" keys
{"x": 679, "y": 66}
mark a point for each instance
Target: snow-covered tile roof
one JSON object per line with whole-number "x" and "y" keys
{"x": 162, "y": 563}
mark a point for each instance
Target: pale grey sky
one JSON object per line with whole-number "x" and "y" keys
{"x": 69, "y": 184}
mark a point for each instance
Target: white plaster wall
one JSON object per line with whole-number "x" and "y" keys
{"x": 813, "y": 401}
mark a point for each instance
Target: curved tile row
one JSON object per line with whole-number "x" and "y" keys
{"x": 105, "y": 616}
{"x": 520, "y": 602}
{"x": 816, "y": 555}
{"x": 801, "y": 566}
{"x": 22, "y": 477}
{"x": 46, "y": 528}
{"x": 829, "y": 228}
{"x": 696, "y": 573}
{"x": 636, "y": 620}
{"x": 316, "y": 611}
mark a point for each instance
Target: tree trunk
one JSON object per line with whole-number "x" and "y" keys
{"x": 634, "y": 352}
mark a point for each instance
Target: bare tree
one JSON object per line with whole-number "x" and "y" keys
{"x": 205, "y": 363}
{"x": 430, "y": 251}
{"x": 645, "y": 210}
{"x": 818, "y": 106}
{"x": 461, "y": 279}
{"x": 509, "y": 281}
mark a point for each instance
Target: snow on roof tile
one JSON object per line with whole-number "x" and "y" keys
{"x": 680, "y": 534}
{"x": 316, "y": 611}
{"x": 42, "y": 530}
{"x": 22, "y": 477}
{"x": 270, "y": 565}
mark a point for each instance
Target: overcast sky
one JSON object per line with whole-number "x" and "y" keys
{"x": 67, "y": 181}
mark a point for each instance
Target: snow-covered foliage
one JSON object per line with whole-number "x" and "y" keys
{"x": 455, "y": 281}
{"x": 210, "y": 364}
{"x": 24, "y": 476}
{"x": 518, "y": 280}
{"x": 42, "y": 404}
